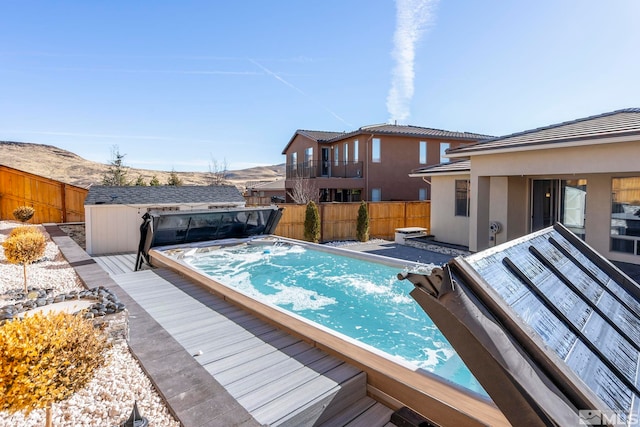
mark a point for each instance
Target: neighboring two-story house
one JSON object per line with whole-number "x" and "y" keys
{"x": 369, "y": 163}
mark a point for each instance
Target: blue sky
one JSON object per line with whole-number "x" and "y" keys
{"x": 177, "y": 84}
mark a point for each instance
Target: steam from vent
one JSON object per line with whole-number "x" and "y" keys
{"x": 413, "y": 17}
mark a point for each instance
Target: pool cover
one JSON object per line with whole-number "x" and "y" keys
{"x": 549, "y": 327}
{"x": 180, "y": 227}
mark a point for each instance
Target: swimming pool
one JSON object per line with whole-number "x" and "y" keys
{"x": 360, "y": 299}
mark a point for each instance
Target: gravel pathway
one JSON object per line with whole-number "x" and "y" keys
{"x": 108, "y": 399}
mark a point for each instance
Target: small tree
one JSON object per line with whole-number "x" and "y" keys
{"x": 140, "y": 181}
{"x": 174, "y": 179}
{"x": 24, "y": 246}
{"x": 46, "y": 358}
{"x": 155, "y": 182}
{"x": 303, "y": 190}
{"x": 218, "y": 172}
{"x": 312, "y": 223}
{"x": 23, "y": 213}
{"x": 117, "y": 173}
{"x": 362, "y": 229}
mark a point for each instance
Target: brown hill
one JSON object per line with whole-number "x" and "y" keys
{"x": 61, "y": 165}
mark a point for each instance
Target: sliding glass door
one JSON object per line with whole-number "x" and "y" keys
{"x": 559, "y": 200}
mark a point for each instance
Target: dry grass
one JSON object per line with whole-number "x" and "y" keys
{"x": 61, "y": 165}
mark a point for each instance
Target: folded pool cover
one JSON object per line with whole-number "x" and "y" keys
{"x": 547, "y": 326}
{"x": 179, "y": 227}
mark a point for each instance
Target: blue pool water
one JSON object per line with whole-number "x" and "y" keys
{"x": 361, "y": 299}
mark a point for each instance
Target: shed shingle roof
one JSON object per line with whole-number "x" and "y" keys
{"x": 619, "y": 123}
{"x": 169, "y": 194}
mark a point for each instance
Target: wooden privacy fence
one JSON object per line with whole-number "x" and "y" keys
{"x": 338, "y": 220}
{"x": 53, "y": 201}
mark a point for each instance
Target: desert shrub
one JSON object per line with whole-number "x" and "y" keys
{"x": 24, "y": 247}
{"x": 46, "y": 358}
{"x": 23, "y": 230}
{"x": 23, "y": 213}
{"x": 174, "y": 179}
{"x": 154, "y": 182}
{"x": 362, "y": 227}
{"x": 312, "y": 223}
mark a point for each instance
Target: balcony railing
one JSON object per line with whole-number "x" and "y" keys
{"x": 321, "y": 169}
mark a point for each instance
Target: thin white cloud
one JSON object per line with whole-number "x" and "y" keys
{"x": 148, "y": 71}
{"x": 412, "y": 19}
{"x": 105, "y": 135}
{"x": 293, "y": 59}
{"x": 300, "y": 91}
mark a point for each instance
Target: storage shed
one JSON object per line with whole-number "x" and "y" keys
{"x": 113, "y": 215}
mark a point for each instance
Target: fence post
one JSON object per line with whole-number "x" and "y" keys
{"x": 63, "y": 194}
{"x": 321, "y": 221}
{"x": 405, "y": 214}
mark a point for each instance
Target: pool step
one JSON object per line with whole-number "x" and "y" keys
{"x": 366, "y": 412}
{"x": 314, "y": 401}
{"x": 278, "y": 378}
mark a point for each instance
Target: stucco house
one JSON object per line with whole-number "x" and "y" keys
{"x": 583, "y": 173}
{"x": 265, "y": 193}
{"x": 369, "y": 163}
{"x": 113, "y": 215}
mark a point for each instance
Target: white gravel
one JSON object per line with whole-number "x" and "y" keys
{"x": 108, "y": 399}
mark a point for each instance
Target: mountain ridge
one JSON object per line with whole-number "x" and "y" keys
{"x": 62, "y": 165}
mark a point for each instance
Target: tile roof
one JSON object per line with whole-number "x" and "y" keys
{"x": 319, "y": 135}
{"x": 456, "y": 166}
{"x": 619, "y": 123}
{"x": 416, "y": 131}
{"x": 165, "y": 194}
{"x": 386, "y": 129}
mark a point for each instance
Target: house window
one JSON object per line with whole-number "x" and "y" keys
{"x": 444, "y": 146}
{"x": 336, "y": 155}
{"x": 422, "y": 194}
{"x": 355, "y": 150}
{"x": 346, "y": 153}
{"x": 294, "y": 160}
{"x": 625, "y": 215}
{"x": 423, "y": 152}
{"x": 376, "y": 195}
{"x": 462, "y": 197}
{"x": 375, "y": 150}
{"x": 308, "y": 155}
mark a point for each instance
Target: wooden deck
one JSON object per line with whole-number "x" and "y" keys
{"x": 277, "y": 378}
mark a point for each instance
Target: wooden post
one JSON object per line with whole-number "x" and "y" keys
{"x": 63, "y": 194}
{"x": 321, "y": 212}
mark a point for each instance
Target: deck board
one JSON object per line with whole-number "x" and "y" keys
{"x": 310, "y": 392}
{"x": 263, "y": 368}
{"x": 277, "y": 372}
{"x": 252, "y": 362}
{"x": 212, "y": 351}
{"x": 376, "y": 412}
{"x": 117, "y": 263}
{"x": 359, "y": 408}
